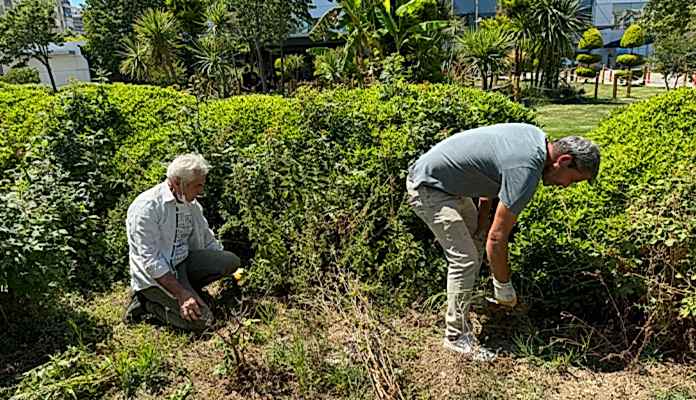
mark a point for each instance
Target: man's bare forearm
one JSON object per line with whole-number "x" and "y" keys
{"x": 169, "y": 282}
{"x": 497, "y": 250}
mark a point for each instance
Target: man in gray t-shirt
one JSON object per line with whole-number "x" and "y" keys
{"x": 506, "y": 161}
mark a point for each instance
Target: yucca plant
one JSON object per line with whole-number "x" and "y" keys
{"x": 486, "y": 50}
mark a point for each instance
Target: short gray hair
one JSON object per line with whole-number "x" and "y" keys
{"x": 585, "y": 153}
{"x": 187, "y": 166}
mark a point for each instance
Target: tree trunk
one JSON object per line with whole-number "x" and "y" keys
{"x": 282, "y": 69}
{"x": 616, "y": 84}
{"x": 516, "y": 91}
{"x": 596, "y": 86}
{"x": 666, "y": 82}
{"x": 46, "y": 62}
{"x": 628, "y": 83}
{"x": 259, "y": 64}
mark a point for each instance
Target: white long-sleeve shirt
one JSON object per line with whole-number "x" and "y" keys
{"x": 151, "y": 226}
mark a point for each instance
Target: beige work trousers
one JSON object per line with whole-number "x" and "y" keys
{"x": 453, "y": 220}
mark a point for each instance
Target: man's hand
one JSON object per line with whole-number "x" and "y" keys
{"x": 189, "y": 306}
{"x": 504, "y": 293}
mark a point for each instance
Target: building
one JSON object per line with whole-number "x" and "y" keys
{"x": 474, "y": 10}
{"x": 67, "y": 64}
{"x": 78, "y": 24}
{"x": 63, "y": 14}
{"x": 612, "y": 17}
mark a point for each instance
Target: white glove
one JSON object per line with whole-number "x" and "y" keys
{"x": 504, "y": 293}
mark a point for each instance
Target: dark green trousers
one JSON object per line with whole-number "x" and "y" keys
{"x": 199, "y": 269}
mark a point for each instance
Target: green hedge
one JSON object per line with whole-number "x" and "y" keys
{"x": 74, "y": 162}
{"x": 629, "y": 60}
{"x": 317, "y": 183}
{"x": 586, "y": 72}
{"x": 300, "y": 184}
{"x": 584, "y": 58}
{"x": 21, "y": 76}
{"x": 628, "y": 244}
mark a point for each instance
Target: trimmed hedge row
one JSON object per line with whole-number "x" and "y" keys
{"x": 624, "y": 251}
{"x": 315, "y": 183}
{"x": 300, "y": 185}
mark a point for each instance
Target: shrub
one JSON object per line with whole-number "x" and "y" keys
{"x": 628, "y": 244}
{"x": 21, "y": 76}
{"x": 22, "y": 115}
{"x": 586, "y": 72}
{"x": 634, "y": 36}
{"x": 629, "y": 60}
{"x": 326, "y": 192}
{"x": 591, "y": 39}
{"x": 588, "y": 58}
{"x": 79, "y": 170}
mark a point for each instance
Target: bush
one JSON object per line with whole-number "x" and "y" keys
{"x": 22, "y": 115}
{"x": 71, "y": 173}
{"x": 585, "y": 72}
{"x": 300, "y": 185}
{"x": 320, "y": 186}
{"x": 629, "y": 60}
{"x": 634, "y": 36}
{"x": 591, "y": 39}
{"x": 588, "y": 58}
{"x": 21, "y": 76}
{"x": 628, "y": 244}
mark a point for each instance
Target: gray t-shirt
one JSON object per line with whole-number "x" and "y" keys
{"x": 504, "y": 160}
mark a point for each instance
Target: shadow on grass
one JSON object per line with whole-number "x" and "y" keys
{"x": 32, "y": 332}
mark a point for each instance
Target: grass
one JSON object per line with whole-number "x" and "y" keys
{"x": 560, "y": 120}
{"x": 314, "y": 348}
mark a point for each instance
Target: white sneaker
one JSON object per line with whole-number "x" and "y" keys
{"x": 468, "y": 346}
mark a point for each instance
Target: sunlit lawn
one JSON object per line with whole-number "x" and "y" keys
{"x": 560, "y": 120}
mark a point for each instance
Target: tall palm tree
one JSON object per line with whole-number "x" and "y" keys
{"x": 159, "y": 32}
{"x": 486, "y": 50}
{"x": 558, "y": 24}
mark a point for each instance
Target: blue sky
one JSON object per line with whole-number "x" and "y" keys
{"x": 77, "y": 2}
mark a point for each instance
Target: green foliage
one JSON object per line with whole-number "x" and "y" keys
{"x": 591, "y": 39}
{"x": 78, "y": 374}
{"x": 588, "y": 58}
{"x": 374, "y": 29}
{"x": 586, "y": 72}
{"x": 108, "y": 23}
{"x": 26, "y": 31}
{"x": 674, "y": 54}
{"x": 629, "y": 60}
{"x": 22, "y": 113}
{"x": 21, "y": 76}
{"x": 628, "y": 242}
{"x": 486, "y": 50}
{"x": 153, "y": 52}
{"x": 72, "y": 167}
{"x": 667, "y": 17}
{"x": 330, "y": 181}
{"x": 634, "y": 36}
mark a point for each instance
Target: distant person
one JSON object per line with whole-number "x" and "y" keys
{"x": 506, "y": 161}
{"x": 173, "y": 253}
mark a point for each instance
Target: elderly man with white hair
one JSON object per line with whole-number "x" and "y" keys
{"x": 173, "y": 253}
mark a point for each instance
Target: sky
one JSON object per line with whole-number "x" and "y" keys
{"x": 77, "y": 2}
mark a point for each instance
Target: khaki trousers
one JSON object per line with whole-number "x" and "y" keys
{"x": 453, "y": 220}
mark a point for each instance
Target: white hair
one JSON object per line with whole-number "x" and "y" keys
{"x": 186, "y": 167}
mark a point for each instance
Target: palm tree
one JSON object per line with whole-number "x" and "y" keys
{"x": 159, "y": 32}
{"x": 135, "y": 61}
{"x": 486, "y": 50}
{"x": 558, "y": 23}
{"x": 354, "y": 22}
